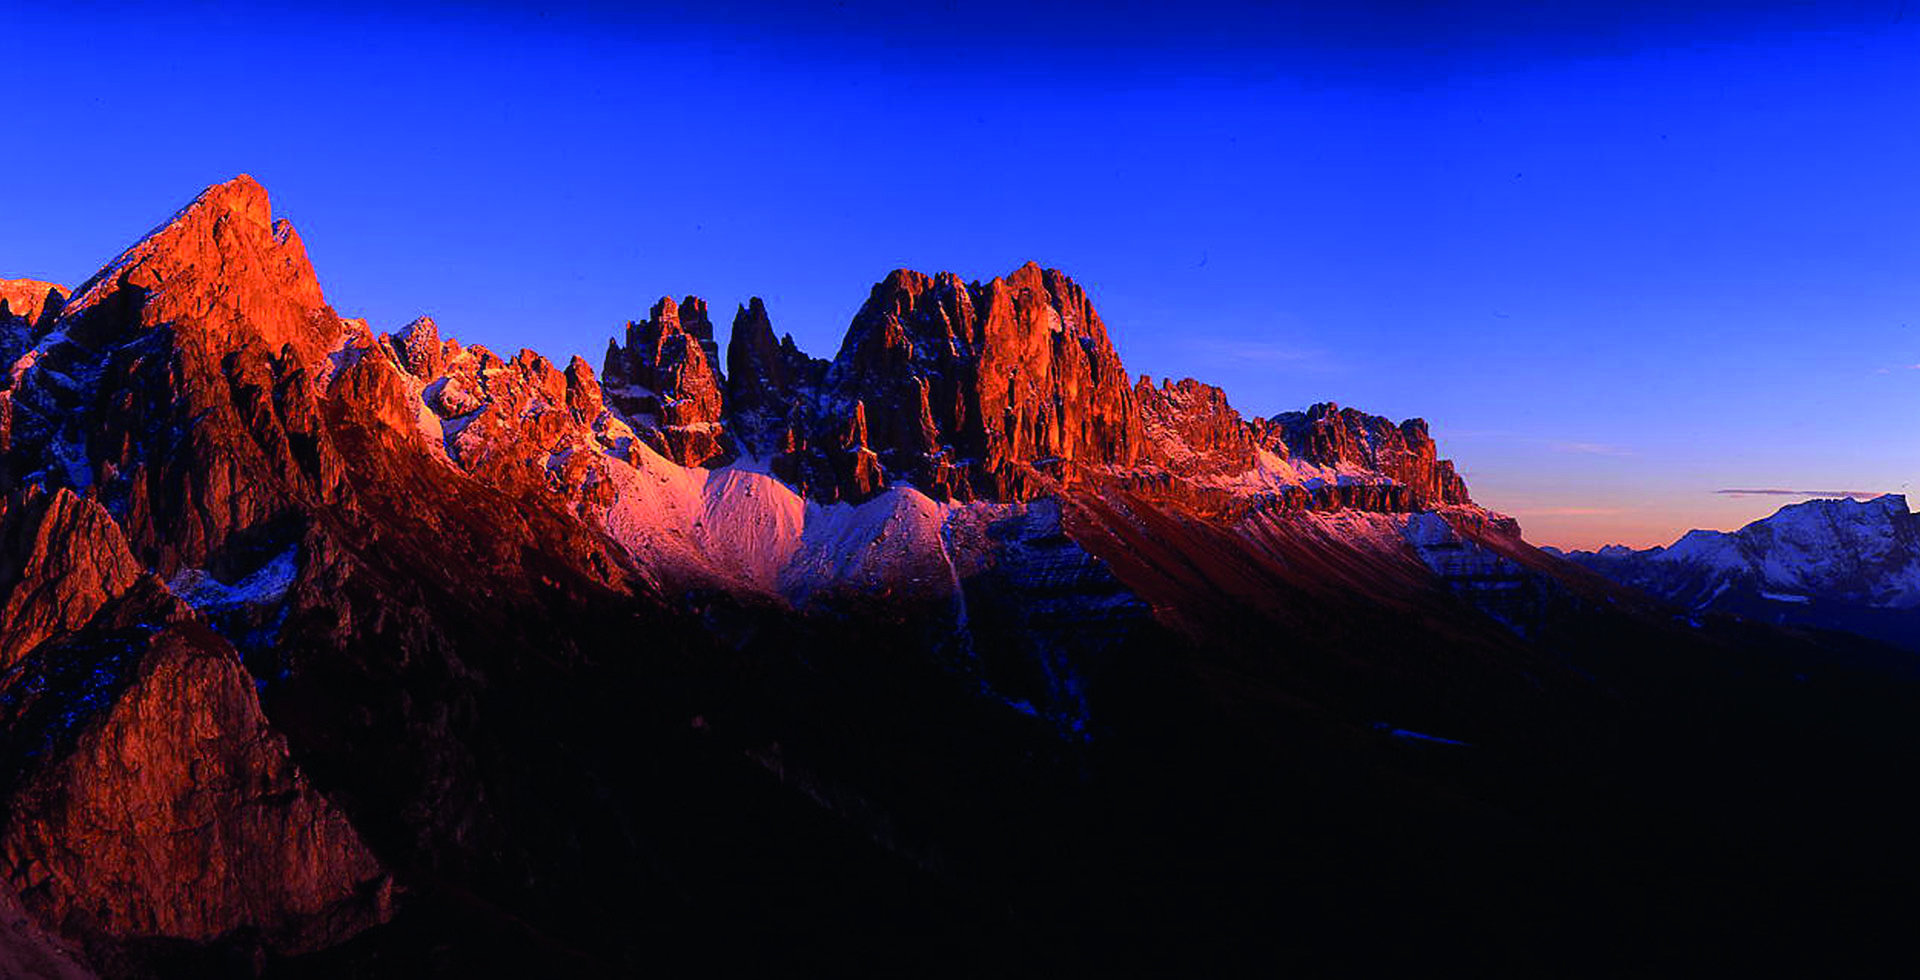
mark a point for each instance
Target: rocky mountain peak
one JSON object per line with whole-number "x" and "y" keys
{"x": 1011, "y": 388}
{"x": 771, "y": 385}
{"x": 222, "y": 272}
{"x": 665, "y": 316}
{"x": 243, "y": 540}
{"x": 1834, "y": 563}
{"x": 1330, "y": 436}
{"x": 666, "y": 382}
{"x": 212, "y": 325}
{"x": 418, "y": 348}
{"x": 1190, "y": 427}
{"x": 976, "y": 390}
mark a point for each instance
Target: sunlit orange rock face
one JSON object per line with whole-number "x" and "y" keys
{"x": 200, "y": 421}
{"x": 207, "y": 470}
{"x": 1011, "y": 389}
{"x": 28, "y": 308}
{"x": 67, "y": 559}
{"x": 969, "y": 391}
{"x": 29, "y": 302}
{"x": 222, "y": 272}
{"x": 179, "y": 813}
{"x": 148, "y": 795}
{"x": 1332, "y": 436}
{"x": 1191, "y": 428}
{"x": 666, "y": 381}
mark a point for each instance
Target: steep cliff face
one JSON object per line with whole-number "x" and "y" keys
{"x": 32, "y": 300}
{"x": 221, "y": 273}
{"x": 1011, "y": 389}
{"x": 282, "y": 472}
{"x": 771, "y": 386}
{"x": 1190, "y": 429}
{"x": 147, "y": 796}
{"x": 178, "y": 384}
{"x": 1351, "y": 444}
{"x": 968, "y": 391}
{"x": 666, "y": 383}
{"x": 177, "y": 811}
{"x": 64, "y": 559}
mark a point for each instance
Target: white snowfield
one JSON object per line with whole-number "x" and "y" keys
{"x": 750, "y": 531}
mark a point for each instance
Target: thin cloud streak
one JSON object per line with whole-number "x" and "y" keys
{"x": 1776, "y": 492}
{"x": 1590, "y": 449}
{"x": 1569, "y": 512}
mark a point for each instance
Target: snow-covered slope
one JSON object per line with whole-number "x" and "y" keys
{"x": 1827, "y": 562}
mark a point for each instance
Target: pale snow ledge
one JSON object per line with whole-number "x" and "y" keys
{"x": 266, "y": 586}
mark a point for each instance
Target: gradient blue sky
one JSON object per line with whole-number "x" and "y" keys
{"x": 1621, "y": 256}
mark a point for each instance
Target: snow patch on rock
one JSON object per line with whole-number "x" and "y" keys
{"x": 266, "y": 586}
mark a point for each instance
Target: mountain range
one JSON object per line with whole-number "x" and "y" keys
{"x": 335, "y": 651}
{"x": 1837, "y": 563}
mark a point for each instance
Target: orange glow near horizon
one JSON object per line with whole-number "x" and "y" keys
{"x": 1640, "y": 523}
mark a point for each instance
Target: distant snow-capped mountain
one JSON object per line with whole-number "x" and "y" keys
{"x": 1832, "y": 563}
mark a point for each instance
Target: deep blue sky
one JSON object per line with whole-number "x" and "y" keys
{"x": 1621, "y": 255}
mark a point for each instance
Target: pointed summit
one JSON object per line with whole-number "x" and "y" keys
{"x": 769, "y": 383}
{"x": 666, "y": 315}
{"x": 418, "y": 349}
{"x": 221, "y": 264}
{"x": 178, "y": 384}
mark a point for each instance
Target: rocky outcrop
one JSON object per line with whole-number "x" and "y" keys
{"x": 1352, "y": 442}
{"x": 31, "y": 301}
{"x": 771, "y": 386}
{"x": 181, "y": 391}
{"x": 61, "y": 559}
{"x": 418, "y": 348}
{"x": 147, "y": 796}
{"x": 176, "y": 811}
{"x": 264, "y": 455}
{"x": 665, "y": 381}
{"x": 1011, "y": 389}
{"x": 1190, "y": 429}
{"x": 969, "y": 391}
{"x": 28, "y": 308}
{"x": 222, "y": 273}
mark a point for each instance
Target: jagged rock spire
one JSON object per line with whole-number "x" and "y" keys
{"x": 666, "y": 382}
